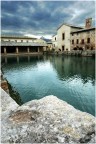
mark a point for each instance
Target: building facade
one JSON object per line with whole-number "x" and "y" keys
{"x": 71, "y": 37}
{"x": 20, "y": 44}
{"x": 83, "y": 39}
{"x": 64, "y": 37}
{"x": 54, "y": 42}
{"x": 49, "y": 46}
{"x": 17, "y": 39}
{"x": 40, "y": 41}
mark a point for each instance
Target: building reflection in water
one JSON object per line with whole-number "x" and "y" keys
{"x": 69, "y": 78}
{"x": 28, "y": 58}
{"x": 6, "y": 60}
{"x": 68, "y": 67}
{"x": 18, "y": 59}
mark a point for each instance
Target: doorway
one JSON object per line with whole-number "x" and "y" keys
{"x": 63, "y": 48}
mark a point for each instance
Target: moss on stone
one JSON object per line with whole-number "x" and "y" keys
{"x": 14, "y": 94}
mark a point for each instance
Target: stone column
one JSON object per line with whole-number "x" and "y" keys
{"x": 28, "y": 49}
{"x": 17, "y": 50}
{"x": 5, "y": 50}
{"x": 38, "y": 49}
{"x": 44, "y": 48}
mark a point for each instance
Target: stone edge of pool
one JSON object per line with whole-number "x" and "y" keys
{"x": 48, "y": 120}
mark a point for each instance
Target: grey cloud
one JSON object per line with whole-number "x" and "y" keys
{"x": 43, "y": 17}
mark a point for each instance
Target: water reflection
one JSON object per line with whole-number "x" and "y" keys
{"x": 18, "y": 59}
{"x": 28, "y": 58}
{"x": 68, "y": 67}
{"x": 12, "y": 59}
{"x": 6, "y": 60}
{"x": 72, "y": 79}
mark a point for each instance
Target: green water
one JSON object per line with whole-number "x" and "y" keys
{"x": 71, "y": 79}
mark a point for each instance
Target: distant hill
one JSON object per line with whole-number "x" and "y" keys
{"x": 47, "y": 40}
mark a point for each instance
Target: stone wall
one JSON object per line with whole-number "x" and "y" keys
{"x": 83, "y": 35}
{"x": 4, "y": 85}
{"x": 48, "y": 120}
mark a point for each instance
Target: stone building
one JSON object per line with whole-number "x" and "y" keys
{"x": 64, "y": 37}
{"x": 6, "y": 38}
{"x": 54, "y": 42}
{"x": 49, "y": 45}
{"x": 71, "y": 37}
{"x": 21, "y": 44}
{"x": 40, "y": 41}
{"x": 83, "y": 39}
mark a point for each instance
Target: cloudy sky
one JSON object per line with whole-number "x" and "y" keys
{"x": 42, "y": 18}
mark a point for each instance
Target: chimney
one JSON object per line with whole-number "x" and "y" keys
{"x": 88, "y": 23}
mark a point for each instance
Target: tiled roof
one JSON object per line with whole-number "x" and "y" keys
{"x": 86, "y": 29}
{"x": 3, "y": 43}
{"x": 50, "y": 42}
{"x": 18, "y": 37}
{"x": 69, "y": 26}
{"x": 54, "y": 35}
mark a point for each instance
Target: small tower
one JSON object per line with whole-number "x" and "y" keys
{"x": 88, "y": 23}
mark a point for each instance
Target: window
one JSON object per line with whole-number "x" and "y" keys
{"x": 88, "y": 40}
{"x": 62, "y": 48}
{"x": 82, "y": 41}
{"x": 55, "y": 38}
{"x": 63, "y": 36}
{"x": 72, "y": 41}
{"x": 77, "y": 41}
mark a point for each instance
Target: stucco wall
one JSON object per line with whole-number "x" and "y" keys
{"x": 54, "y": 42}
{"x": 66, "y": 42}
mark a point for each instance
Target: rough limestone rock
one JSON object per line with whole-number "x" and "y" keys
{"x": 48, "y": 120}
